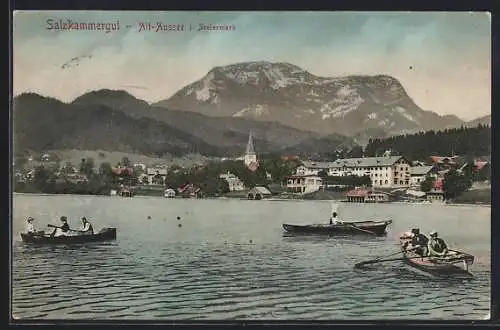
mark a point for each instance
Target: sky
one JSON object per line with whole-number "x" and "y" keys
{"x": 443, "y": 60}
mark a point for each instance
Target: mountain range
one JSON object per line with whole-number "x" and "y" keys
{"x": 117, "y": 121}
{"x": 287, "y": 109}
{"x": 286, "y": 93}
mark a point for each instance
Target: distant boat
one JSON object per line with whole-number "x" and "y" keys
{"x": 105, "y": 234}
{"x": 375, "y": 228}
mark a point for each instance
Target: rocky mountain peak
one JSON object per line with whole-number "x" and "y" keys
{"x": 286, "y": 93}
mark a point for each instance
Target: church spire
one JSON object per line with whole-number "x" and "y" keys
{"x": 250, "y": 150}
{"x": 250, "y": 156}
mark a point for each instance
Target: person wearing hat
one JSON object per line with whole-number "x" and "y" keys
{"x": 419, "y": 241}
{"x": 437, "y": 247}
{"x": 63, "y": 230}
{"x": 30, "y": 228}
{"x": 86, "y": 227}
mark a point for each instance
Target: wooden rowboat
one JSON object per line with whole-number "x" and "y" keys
{"x": 374, "y": 228}
{"x": 105, "y": 234}
{"x": 455, "y": 263}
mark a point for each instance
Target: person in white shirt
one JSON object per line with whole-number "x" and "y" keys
{"x": 86, "y": 227}
{"x": 334, "y": 220}
{"x": 30, "y": 228}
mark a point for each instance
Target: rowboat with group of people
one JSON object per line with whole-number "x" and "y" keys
{"x": 63, "y": 234}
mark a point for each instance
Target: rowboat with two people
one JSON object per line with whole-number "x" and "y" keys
{"x": 430, "y": 256}
{"x": 434, "y": 258}
{"x": 63, "y": 234}
{"x": 339, "y": 227}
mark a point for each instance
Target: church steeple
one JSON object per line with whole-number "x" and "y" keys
{"x": 250, "y": 156}
{"x": 250, "y": 150}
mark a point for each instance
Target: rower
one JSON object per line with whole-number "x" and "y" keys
{"x": 63, "y": 230}
{"x": 30, "y": 228}
{"x": 86, "y": 227}
{"x": 437, "y": 247}
{"x": 419, "y": 242}
{"x": 334, "y": 220}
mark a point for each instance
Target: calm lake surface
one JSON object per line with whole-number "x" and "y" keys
{"x": 230, "y": 260}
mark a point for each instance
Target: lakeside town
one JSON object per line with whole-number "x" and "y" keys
{"x": 387, "y": 178}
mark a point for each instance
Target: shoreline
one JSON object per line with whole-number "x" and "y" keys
{"x": 271, "y": 199}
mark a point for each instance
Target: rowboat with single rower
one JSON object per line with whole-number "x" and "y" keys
{"x": 373, "y": 228}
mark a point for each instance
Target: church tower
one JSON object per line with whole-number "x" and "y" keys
{"x": 250, "y": 156}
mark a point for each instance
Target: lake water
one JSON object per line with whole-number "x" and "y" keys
{"x": 229, "y": 259}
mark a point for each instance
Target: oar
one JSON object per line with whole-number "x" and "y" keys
{"x": 375, "y": 261}
{"x": 379, "y": 258}
{"x": 53, "y": 226}
{"x": 363, "y": 230}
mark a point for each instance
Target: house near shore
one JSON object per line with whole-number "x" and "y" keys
{"x": 156, "y": 176}
{"x": 125, "y": 192}
{"x": 303, "y": 184}
{"x": 420, "y": 173}
{"x": 437, "y": 191}
{"x": 169, "y": 193}
{"x": 190, "y": 191}
{"x": 414, "y": 195}
{"x": 258, "y": 193}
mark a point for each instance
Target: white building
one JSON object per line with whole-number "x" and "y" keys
{"x": 169, "y": 193}
{"x": 303, "y": 184}
{"x": 235, "y": 184}
{"x": 419, "y": 173}
{"x": 156, "y": 175}
{"x": 312, "y": 168}
{"x": 387, "y": 171}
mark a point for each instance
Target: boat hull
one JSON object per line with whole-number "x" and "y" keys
{"x": 106, "y": 234}
{"x": 372, "y": 228}
{"x": 455, "y": 264}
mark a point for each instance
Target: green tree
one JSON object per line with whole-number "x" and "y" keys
{"x": 427, "y": 184}
{"x": 41, "y": 176}
{"x": 455, "y": 184}
{"x": 355, "y": 152}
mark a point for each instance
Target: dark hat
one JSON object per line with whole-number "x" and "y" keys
{"x": 63, "y": 218}
{"x": 433, "y": 234}
{"x": 83, "y": 218}
{"x": 30, "y": 219}
{"x": 415, "y": 231}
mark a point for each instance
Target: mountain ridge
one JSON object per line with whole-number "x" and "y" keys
{"x": 116, "y": 120}
{"x": 286, "y": 93}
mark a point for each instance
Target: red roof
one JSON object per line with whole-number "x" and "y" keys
{"x": 253, "y": 166}
{"x": 479, "y": 164}
{"x": 440, "y": 159}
